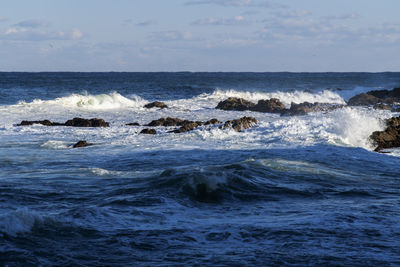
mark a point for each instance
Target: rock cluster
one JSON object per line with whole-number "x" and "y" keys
{"x": 75, "y": 122}
{"x": 388, "y": 138}
{"x": 272, "y": 105}
{"x": 240, "y": 124}
{"x": 156, "y": 104}
{"x": 388, "y": 97}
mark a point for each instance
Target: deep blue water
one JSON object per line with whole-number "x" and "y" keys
{"x": 292, "y": 191}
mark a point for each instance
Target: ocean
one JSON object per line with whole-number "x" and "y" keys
{"x": 291, "y": 191}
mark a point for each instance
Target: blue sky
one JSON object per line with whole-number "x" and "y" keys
{"x": 199, "y": 35}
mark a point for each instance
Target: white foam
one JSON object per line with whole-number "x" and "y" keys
{"x": 92, "y": 102}
{"x": 19, "y": 221}
{"x": 54, "y": 144}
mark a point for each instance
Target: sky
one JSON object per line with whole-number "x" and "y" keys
{"x": 200, "y": 35}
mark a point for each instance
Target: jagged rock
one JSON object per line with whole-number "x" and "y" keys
{"x": 388, "y": 138}
{"x": 234, "y": 103}
{"x": 212, "y": 121}
{"x": 166, "y": 122}
{"x": 273, "y": 105}
{"x": 79, "y": 122}
{"x": 148, "y": 131}
{"x": 188, "y": 127}
{"x": 132, "y": 124}
{"x": 240, "y": 124}
{"x": 156, "y": 104}
{"x": 375, "y": 97}
{"x": 81, "y": 143}
{"x": 307, "y": 107}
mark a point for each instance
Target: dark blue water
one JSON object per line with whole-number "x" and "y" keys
{"x": 289, "y": 192}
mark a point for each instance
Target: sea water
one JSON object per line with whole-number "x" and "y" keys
{"x": 293, "y": 191}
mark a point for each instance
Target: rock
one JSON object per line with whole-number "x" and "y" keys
{"x": 388, "y": 138}
{"x": 166, "y": 122}
{"x": 307, "y": 107}
{"x": 363, "y": 100}
{"x": 148, "y": 131}
{"x": 81, "y": 143}
{"x": 234, "y": 103}
{"x": 273, "y": 105}
{"x": 375, "y": 97}
{"x": 44, "y": 122}
{"x": 188, "y": 127}
{"x": 132, "y": 124}
{"x": 79, "y": 122}
{"x": 240, "y": 124}
{"x": 156, "y": 104}
{"x": 212, "y": 121}
{"x": 382, "y": 106}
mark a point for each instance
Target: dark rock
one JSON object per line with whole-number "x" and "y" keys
{"x": 44, "y": 122}
{"x": 388, "y": 138}
{"x": 363, "y": 99}
{"x": 382, "y": 106}
{"x": 156, "y": 104}
{"x": 234, "y": 103}
{"x": 79, "y": 122}
{"x": 132, "y": 124}
{"x": 188, "y": 127}
{"x": 166, "y": 122}
{"x": 307, "y": 107}
{"x": 375, "y": 97}
{"x": 81, "y": 143}
{"x": 148, "y": 131}
{"x": 240, "y": 124}
{"x": 212, "y": 121}
{"x": 272, "y": 105}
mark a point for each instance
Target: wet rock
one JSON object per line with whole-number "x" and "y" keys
{"x": 382, "y": 106}
{"x": 81, "y": 143}
{"x": 234, "y": 103}
{"x": 132, "y": 124}
{"x": 388, "y": 138}
{"x": 307, "y": 107}
{"x": 188, "y": 127}
{"x": 273, "y": 105}
{"x": 240, "y": 124}
{"x": 43, "y": 122}
{"x": 212, "y": 122}
{"x": 166, "y": 122}
{"x": 375, "y": 97}
{"x": 148, "y": 131}
{"x": 79, "y": 122}
{"x": 156, "y": 104}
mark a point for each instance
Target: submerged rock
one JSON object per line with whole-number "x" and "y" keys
{"x": 148, "y": 131}
{"x": 234, "y": 103}
{"x": 390, "y": 137}
{"x": 188, "y": 127}
{"x": 156, "y": 104}
{"x": 307, "y": 107}
{"x": 240, "y": 124}
{"x": 212, "y": 122}
{"x": 376, "y": 97}
{"x": 43, "y": 122}
{"x": 80, "y": 122}
{"x": 81, "y": 143}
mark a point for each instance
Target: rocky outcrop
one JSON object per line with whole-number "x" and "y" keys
{"x": 212, "y": 122}
{"x": 75, "y": 122}
{"x": 156, "y": 104}
{"x": 81, "y": 143}
{"x": 388, "y": 138}
{"x": 234, "y": 103}
{"x": 272, "y": 105}
{"x": 240, "y": 124}
{"x": 375, "y": 97}
{"x": 166, "y": 122}
{"x": 148, "y": 131}
{"x": 188, "y": 127}
{"x": 307, "y": 107}
{"x": 79, "y": 122}
{"x": 382, "y": 106}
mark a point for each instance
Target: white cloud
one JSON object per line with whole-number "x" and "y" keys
{"x": 25, "y": 34}
{"x": 76, "y": 34}
{"x": 171, "y": 36}
{"x": 235, "y": 21}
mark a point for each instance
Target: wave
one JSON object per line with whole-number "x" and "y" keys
{"x": 112, "y": 100}
{"x": 19, "y": 221}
